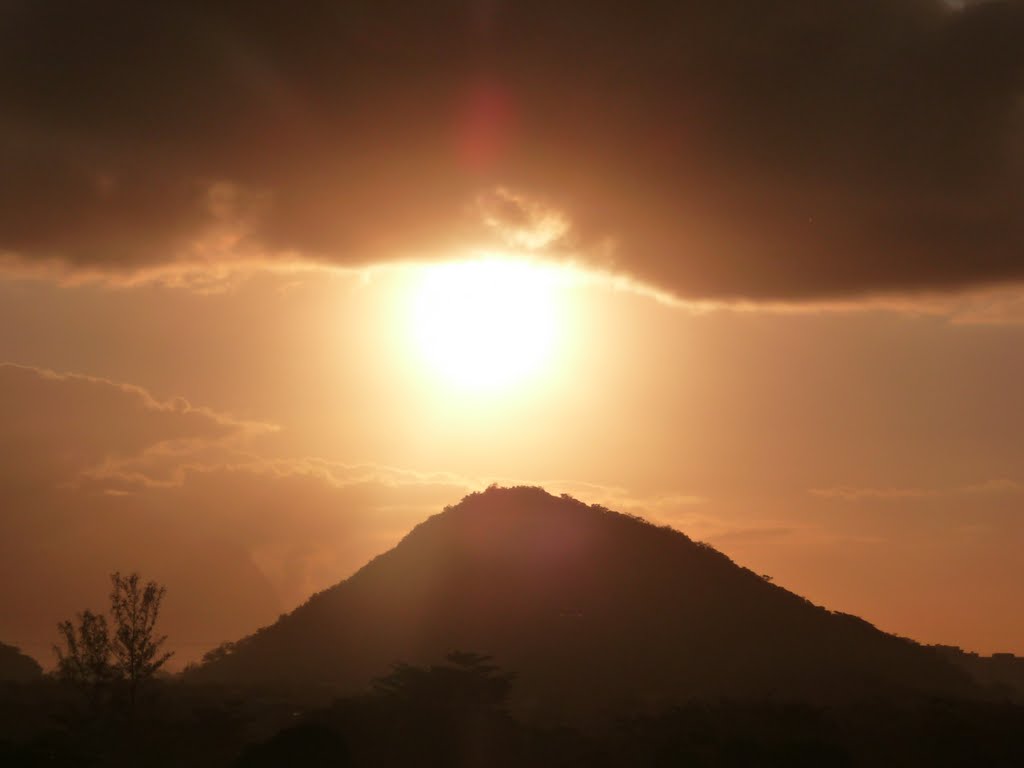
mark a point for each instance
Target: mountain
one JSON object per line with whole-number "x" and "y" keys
{"x": 15, "y": 666}
{"x": 591, "y": 609}
{"x": 1000, "y": 672}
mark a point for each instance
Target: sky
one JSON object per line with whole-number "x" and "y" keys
{"x": 275, "y": 286}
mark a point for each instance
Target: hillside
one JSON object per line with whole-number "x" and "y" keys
{"x": 15, "y": 666}
{"x": 590, "y": 608}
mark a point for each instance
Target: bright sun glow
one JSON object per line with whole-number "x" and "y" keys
{"x": 487, "y": 324}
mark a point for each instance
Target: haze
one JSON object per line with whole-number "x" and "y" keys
{"x": 274, "y": 290}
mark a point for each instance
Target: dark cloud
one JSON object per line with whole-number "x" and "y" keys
{"x": 715, "y": 149}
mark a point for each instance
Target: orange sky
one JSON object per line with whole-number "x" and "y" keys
{"x": 254, "y": 445}
{"x": 773, "y": 293}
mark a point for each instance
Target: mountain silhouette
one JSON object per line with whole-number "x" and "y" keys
{"x": 17, "y": 667}
{"x": 593, "y": 611}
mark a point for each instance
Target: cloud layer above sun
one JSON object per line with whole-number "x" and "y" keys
{"x": 715, "y": 150}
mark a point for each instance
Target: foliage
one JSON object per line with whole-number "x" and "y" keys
{"x": 16, "y": 666}
{"x": 135, "y": 647}
{"x": 452, "y": 715}
{"x": 85, "y": 658}
{"x": 469, "y": 682}
{"x": 222, "y": 651}
{"x": 92, "y": 656}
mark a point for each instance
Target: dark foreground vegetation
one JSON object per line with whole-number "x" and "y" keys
{"x": 456, "y": 713}
{"x": 620, "y": 644}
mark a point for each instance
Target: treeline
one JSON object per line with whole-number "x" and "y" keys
{"x": 456, "y": 714}
{"x": 108, "y": 703}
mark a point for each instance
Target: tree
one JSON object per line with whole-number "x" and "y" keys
{"x": 467, "y": 683}
{"x": 136, "y": 649}
{"x": 85, "y": 657}
{"x": 16, "y": 666}
{"x": 92, "y": 656}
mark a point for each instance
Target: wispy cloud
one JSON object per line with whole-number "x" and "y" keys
{"x": 855, "y": 493}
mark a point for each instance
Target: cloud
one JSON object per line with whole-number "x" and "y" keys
{"x": 99, "y": 475}
{"x": 717, "y": 151}
{"x": 57, "y": 425}
{"x": 854, "y": 493}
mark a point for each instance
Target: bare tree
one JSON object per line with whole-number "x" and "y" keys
{"x": 85, "y": 657}
{"x": 136, "y": 649}
{"x": 92, "y": 656}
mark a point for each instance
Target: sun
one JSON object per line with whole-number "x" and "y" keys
{"x": 487, "y": 324}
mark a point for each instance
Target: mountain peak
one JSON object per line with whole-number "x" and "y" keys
{"x": 589, "y": 607}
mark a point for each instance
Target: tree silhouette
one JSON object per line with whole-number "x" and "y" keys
{"x": 85, "y": 658}
{"x": 468, "y": 682}
{"x": 16, "y": 666}
{"x": 136, "y": 649}
{"x": 92, "y": 656}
